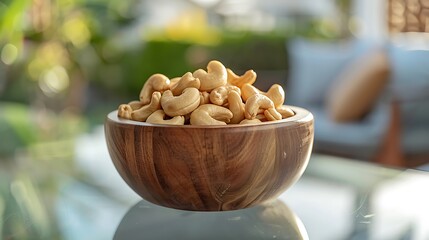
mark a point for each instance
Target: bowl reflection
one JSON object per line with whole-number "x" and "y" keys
{"x": 271, "y": 220}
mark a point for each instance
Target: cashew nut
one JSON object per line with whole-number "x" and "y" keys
{"x": 158, "y": 117}
{"x": 186, "y": 81}
{"x": 254, "y": 103}
{"x": 215, "y": 76}
{"x": 156, "y": 82}
{"x": 124, "y": 111}
{"x": 285, "y": 111}
{"x": 215, "y": 95}
{"x": 271, "y": 114}
{"x": 182, "y": 104}
{"x": 204, "y": 98}
{"x": 210, "y": 114}
{"x": 219, "y": 95}
{"x": 143, "y": 113}
{"x": 174, "y": 81}
{"x": 248, "y": 121}
{"x": 236, "y": 106}
{"x": 248, "y": 90}
{"x": 276, "y": 94}
{"x": 260, "y": 111}
{"x": 261, "y": 117}
{"x": 135, "y": 105}
{"x": 248, "y": 77}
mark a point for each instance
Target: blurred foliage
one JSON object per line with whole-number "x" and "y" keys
{"x": 43, "y": 135}
{"x": 41, "y": 145}
{"x": 249, "y": 50}
{"x": 15, "y": 122}
{"x": 63, "y": 58}
{"x": 78, "y": 56}
{"x": 22, "y": 213}
{"x": 49, "y": 45}
{"x": 54, "y": 50}
{"x": 174, "y": 58}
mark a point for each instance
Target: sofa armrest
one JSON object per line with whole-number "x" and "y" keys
{"x": 390, "y": 152}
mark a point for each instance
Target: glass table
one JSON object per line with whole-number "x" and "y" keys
{"x": 336, "y": 198}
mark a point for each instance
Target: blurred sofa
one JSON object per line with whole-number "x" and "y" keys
{"x": 370, "y": 101}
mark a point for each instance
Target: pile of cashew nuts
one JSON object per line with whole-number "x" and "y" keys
{"x": 214, "y": 97}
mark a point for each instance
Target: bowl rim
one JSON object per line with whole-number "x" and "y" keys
{"x": 302, "y": 115}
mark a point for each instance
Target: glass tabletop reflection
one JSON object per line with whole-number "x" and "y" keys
{"x": 272, "y": 220}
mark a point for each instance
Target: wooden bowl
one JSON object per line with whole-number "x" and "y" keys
{"x": 210, "y": 168}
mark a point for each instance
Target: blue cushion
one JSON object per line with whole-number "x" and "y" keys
{"x": 410, "y": 78}
{"x": 359, "y": 139}
{"x": 410, "y": 84}
{"x": 410, "y": 72}
{"x": 313, "y": 66}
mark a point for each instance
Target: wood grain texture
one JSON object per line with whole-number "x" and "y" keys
{"x": 210, "y": 168}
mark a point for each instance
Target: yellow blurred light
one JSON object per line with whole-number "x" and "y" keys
{"x": 327, "y": 28}
{"x": 34, "y": 69}
{"x": 51, "y": 52}
{"x": 54, "y": 81}
{"x": 9, "y": 54}
{"x": 76, "y": 31}
{"x": 49, "y": 55}
{"x": 190, "y": 26}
